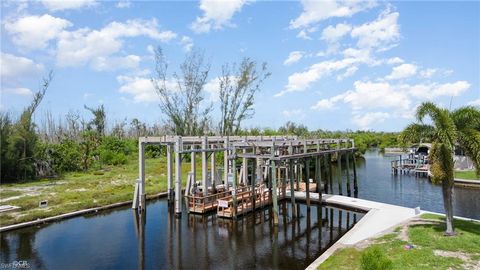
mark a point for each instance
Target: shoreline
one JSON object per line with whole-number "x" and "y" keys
{"x": 75, "y": 213}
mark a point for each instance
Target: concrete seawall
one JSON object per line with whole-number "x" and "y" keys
{"x": 380, "y": 217}
{"x": 73, "y": 214}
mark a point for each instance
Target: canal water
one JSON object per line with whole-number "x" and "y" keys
{"x": 118, "y": 239}
{"x": 377, "y": 183}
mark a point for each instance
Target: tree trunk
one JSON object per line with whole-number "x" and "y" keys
{"x": 447, "y": 189}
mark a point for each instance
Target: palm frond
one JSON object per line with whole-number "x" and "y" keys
{"x": 414, "y": 133}
{"x": 467, "y": 116}
{"x": 444, "y": 124}
{"x": 469, "y": 141}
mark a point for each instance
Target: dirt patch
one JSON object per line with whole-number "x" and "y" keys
{"x": 469, "y": 263}
{"x": 403, "y": 234}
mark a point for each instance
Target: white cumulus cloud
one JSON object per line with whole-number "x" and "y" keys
{"x": 34, "y": 32}
{"x": 216, "y": 14}
{"x": 380, "y": 33}
{"x": 187, "y": 43}
{"x": 85, "y": 46}
{"x": 293, "y": 57}
{"x": 334, "y": 33}
{"x": 59, "y": 5}
{"x": 365, "y": 121}
{"x": 16, "y": 68}
{"x": 402, "y": 71}
{"x": 140, "y": 88}
{"x": 315, "y": 11}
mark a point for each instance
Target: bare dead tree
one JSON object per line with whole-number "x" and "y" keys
{"x": 238, "y": 86}
{"x": 181, "y": 99}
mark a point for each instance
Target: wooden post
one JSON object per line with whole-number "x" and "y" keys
{"x": 178, "y": 176}
{"x": 254, "y": 179}
{"x": 339, "y": 171}
{"x": 171, "y": 193}
{"x": 355, "y": 184}
{"x": 330, "y": 170}
{"x": 307, "y": 181}
{"x": 274, "y": 191}
{"x": 141, "y": 175}
{"x": 292, "y": 190}
{"x": 318, "y": 173}
{"x": 347, "y": 159}
{"x": 225, "y": 163}
{"x": 193, "y": 165}
{"x": 204, "y": 166}
{"x": 245, "y": 167}
{"x": 212, "y": 170}
{"x": 234, "y": 192}
{"x": 297, "y": 175}
{"x": 325, "y": 173}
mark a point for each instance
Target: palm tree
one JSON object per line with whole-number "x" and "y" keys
{"x": 447, "y": 129}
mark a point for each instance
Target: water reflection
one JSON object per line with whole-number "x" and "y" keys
{"x": 251, "y": 242}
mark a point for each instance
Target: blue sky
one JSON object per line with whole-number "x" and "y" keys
{"x": 335, "y": 65}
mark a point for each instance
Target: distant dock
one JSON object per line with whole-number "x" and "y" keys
{"x": 413, "y": 164}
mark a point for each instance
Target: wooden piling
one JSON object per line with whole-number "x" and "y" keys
{"x": 307, "y": 182}
{"x": 204, "y": 166}
{"x": 141, "y": 171}
{"x": 339, "y": 171}
{"x": 330, "y": 170}
{"x": 213, "y": 170}
{"x": 292, "y": 190}
{"x": 171, "y": 192}
{"x": 225, "y": 163}
{"x": 178, "y": 177}
{"x": 234, "y": 184}
{"x": 347, "y": 160}
{"x": 274, "y": 192}
{"x": 355, "y": 183}
{"x": 318, "y": 174}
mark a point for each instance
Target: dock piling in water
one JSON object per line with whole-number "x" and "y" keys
{"x": 278, "y": 163}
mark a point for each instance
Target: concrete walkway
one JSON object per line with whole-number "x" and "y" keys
{"x": 380, "y": 217}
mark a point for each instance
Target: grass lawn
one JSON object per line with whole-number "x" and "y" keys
{"x": 431, "y": 249}
{"x": 81, "y": 190}
{"x": 468, "y": 175}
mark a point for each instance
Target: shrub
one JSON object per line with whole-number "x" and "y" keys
{"x": 375, "y": 259}
{"x": 114, "y": 151}
{"x": 110, "y": 157}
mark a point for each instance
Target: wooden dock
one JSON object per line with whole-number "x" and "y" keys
{"x": 247, "y": 201}
{"x": 256, "y": 171}
{"x": 416, "y": 165}
{"x": 198, "y": 203}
